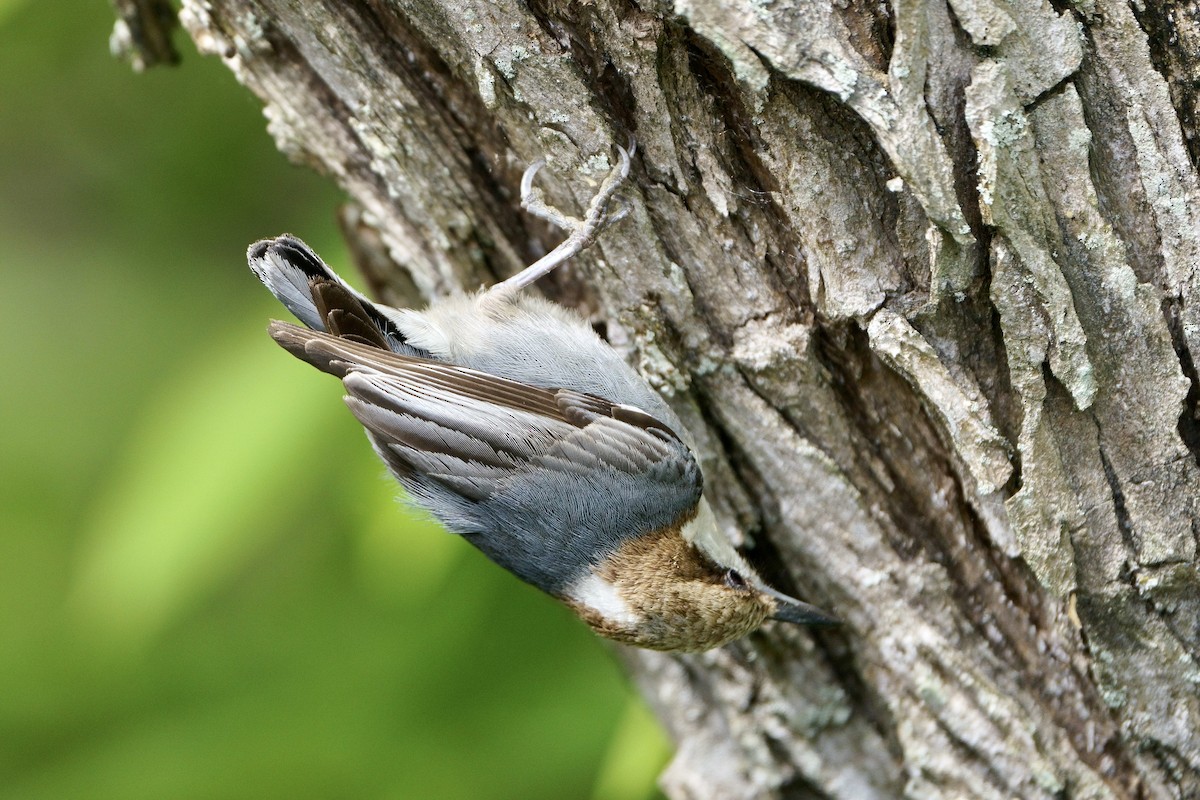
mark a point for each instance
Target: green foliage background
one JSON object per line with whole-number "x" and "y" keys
{"x": 207, "y": 589}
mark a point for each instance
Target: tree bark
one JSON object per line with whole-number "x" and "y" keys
{"x": 921, "y": 277}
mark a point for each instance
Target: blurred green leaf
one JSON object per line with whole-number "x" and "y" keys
{"x": 8, "y": 7}
{"x": 183, "y": 511}
{"x": 636, "y": 755}
{"x": 407, "y": 564}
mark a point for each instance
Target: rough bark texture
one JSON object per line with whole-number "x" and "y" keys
{"x": 922, "y": 278}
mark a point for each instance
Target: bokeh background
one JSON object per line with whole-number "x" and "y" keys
{"x": 207, "y": 587}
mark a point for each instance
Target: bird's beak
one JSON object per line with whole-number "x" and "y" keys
{"x": 789, "y": 609}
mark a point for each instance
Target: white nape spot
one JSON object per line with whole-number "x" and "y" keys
{"x": 603, "y": 598}
{"x": 703, "y": 532}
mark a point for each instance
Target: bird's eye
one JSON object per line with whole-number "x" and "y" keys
{"x": 734, "y": 579}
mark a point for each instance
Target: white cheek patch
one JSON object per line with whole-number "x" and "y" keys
{"x": 603, "y": 598}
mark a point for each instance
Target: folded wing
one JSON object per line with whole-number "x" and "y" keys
{"x": 544, "y": 481}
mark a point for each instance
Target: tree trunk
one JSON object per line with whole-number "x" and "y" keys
{"x": 922, "y": 278}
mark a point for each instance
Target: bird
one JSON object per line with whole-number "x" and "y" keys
{"x": 508, "y": 419}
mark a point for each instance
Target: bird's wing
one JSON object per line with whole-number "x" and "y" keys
{"x": 549, "y": 480}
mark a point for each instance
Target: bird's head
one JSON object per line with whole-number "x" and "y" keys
{"x": 663, "y": 591}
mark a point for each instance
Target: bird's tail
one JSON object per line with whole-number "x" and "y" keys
{"x": 319, "y": 298}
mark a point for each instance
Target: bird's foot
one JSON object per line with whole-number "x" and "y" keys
{"x": 583, "y": 232}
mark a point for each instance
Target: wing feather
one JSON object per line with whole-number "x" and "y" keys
{"x": 548, "y": 481}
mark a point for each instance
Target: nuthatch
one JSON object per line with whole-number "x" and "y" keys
{"x": 509, "y": 420}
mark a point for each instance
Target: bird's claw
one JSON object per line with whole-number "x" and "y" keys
{"x": 596, "y": 215}
{"x": 533, "y": 201}
{"x": 582, "y": 231}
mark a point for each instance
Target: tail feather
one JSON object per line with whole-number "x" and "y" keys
{"x": 319, "y": 298}
{"x": 344, "y": 314}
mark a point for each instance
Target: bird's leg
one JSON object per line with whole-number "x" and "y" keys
{"x": 583, "y": 231}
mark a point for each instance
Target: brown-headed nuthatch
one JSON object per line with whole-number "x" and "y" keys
{"x": 510, "y": 421}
